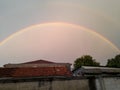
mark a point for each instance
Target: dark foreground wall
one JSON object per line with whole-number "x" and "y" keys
{"x": 108, "y": 83}
{"x": 88, "y": 83}
{"x": 72, "y": 84}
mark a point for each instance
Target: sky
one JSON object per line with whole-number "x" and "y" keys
{"x": 58, "y": 42}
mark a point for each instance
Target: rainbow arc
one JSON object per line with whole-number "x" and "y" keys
{"x": 60, "y": 24}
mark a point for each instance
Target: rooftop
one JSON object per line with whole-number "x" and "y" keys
{"x": 39, "y": 62}
{"x": 96, "y": 70}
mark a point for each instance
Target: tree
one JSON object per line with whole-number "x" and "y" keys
{"x": 85, "y": 60}
{"x": 114, "y": 62}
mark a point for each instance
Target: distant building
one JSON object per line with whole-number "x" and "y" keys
{"x": 36, "y": 69}
{"x": 45, "y": 75}
{"x": 38, "y": 63}
{"x": 92, "y": 71}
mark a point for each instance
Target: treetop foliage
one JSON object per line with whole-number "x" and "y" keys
{"x": 114, "y": 62}
{"x": 85, "y": 60}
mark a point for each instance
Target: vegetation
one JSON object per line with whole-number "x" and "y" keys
{"x": 85, "y": 60}
{"x": 114, "y": 62}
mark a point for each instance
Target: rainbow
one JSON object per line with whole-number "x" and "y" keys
{"x": 60, "y": 24}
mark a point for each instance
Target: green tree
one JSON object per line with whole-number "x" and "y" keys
{"x": 85, "y": 60}
{"x": 114, "y": 62}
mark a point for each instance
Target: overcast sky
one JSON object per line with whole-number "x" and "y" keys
{"x": 101, "y": 16}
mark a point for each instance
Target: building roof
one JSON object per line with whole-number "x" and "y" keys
{"x": 96, "y": 70}
{"x": 39, "y": 62}
{"x": 101, "y": 69}
{"x": 35, "y": 72}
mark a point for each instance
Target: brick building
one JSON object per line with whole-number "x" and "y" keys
{"x": 36, "y": 69}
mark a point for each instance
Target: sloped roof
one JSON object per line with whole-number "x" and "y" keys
{"x": 39, "y": 62}
{"x": 35, "y": 72}
{"x": 36, "y": 63}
